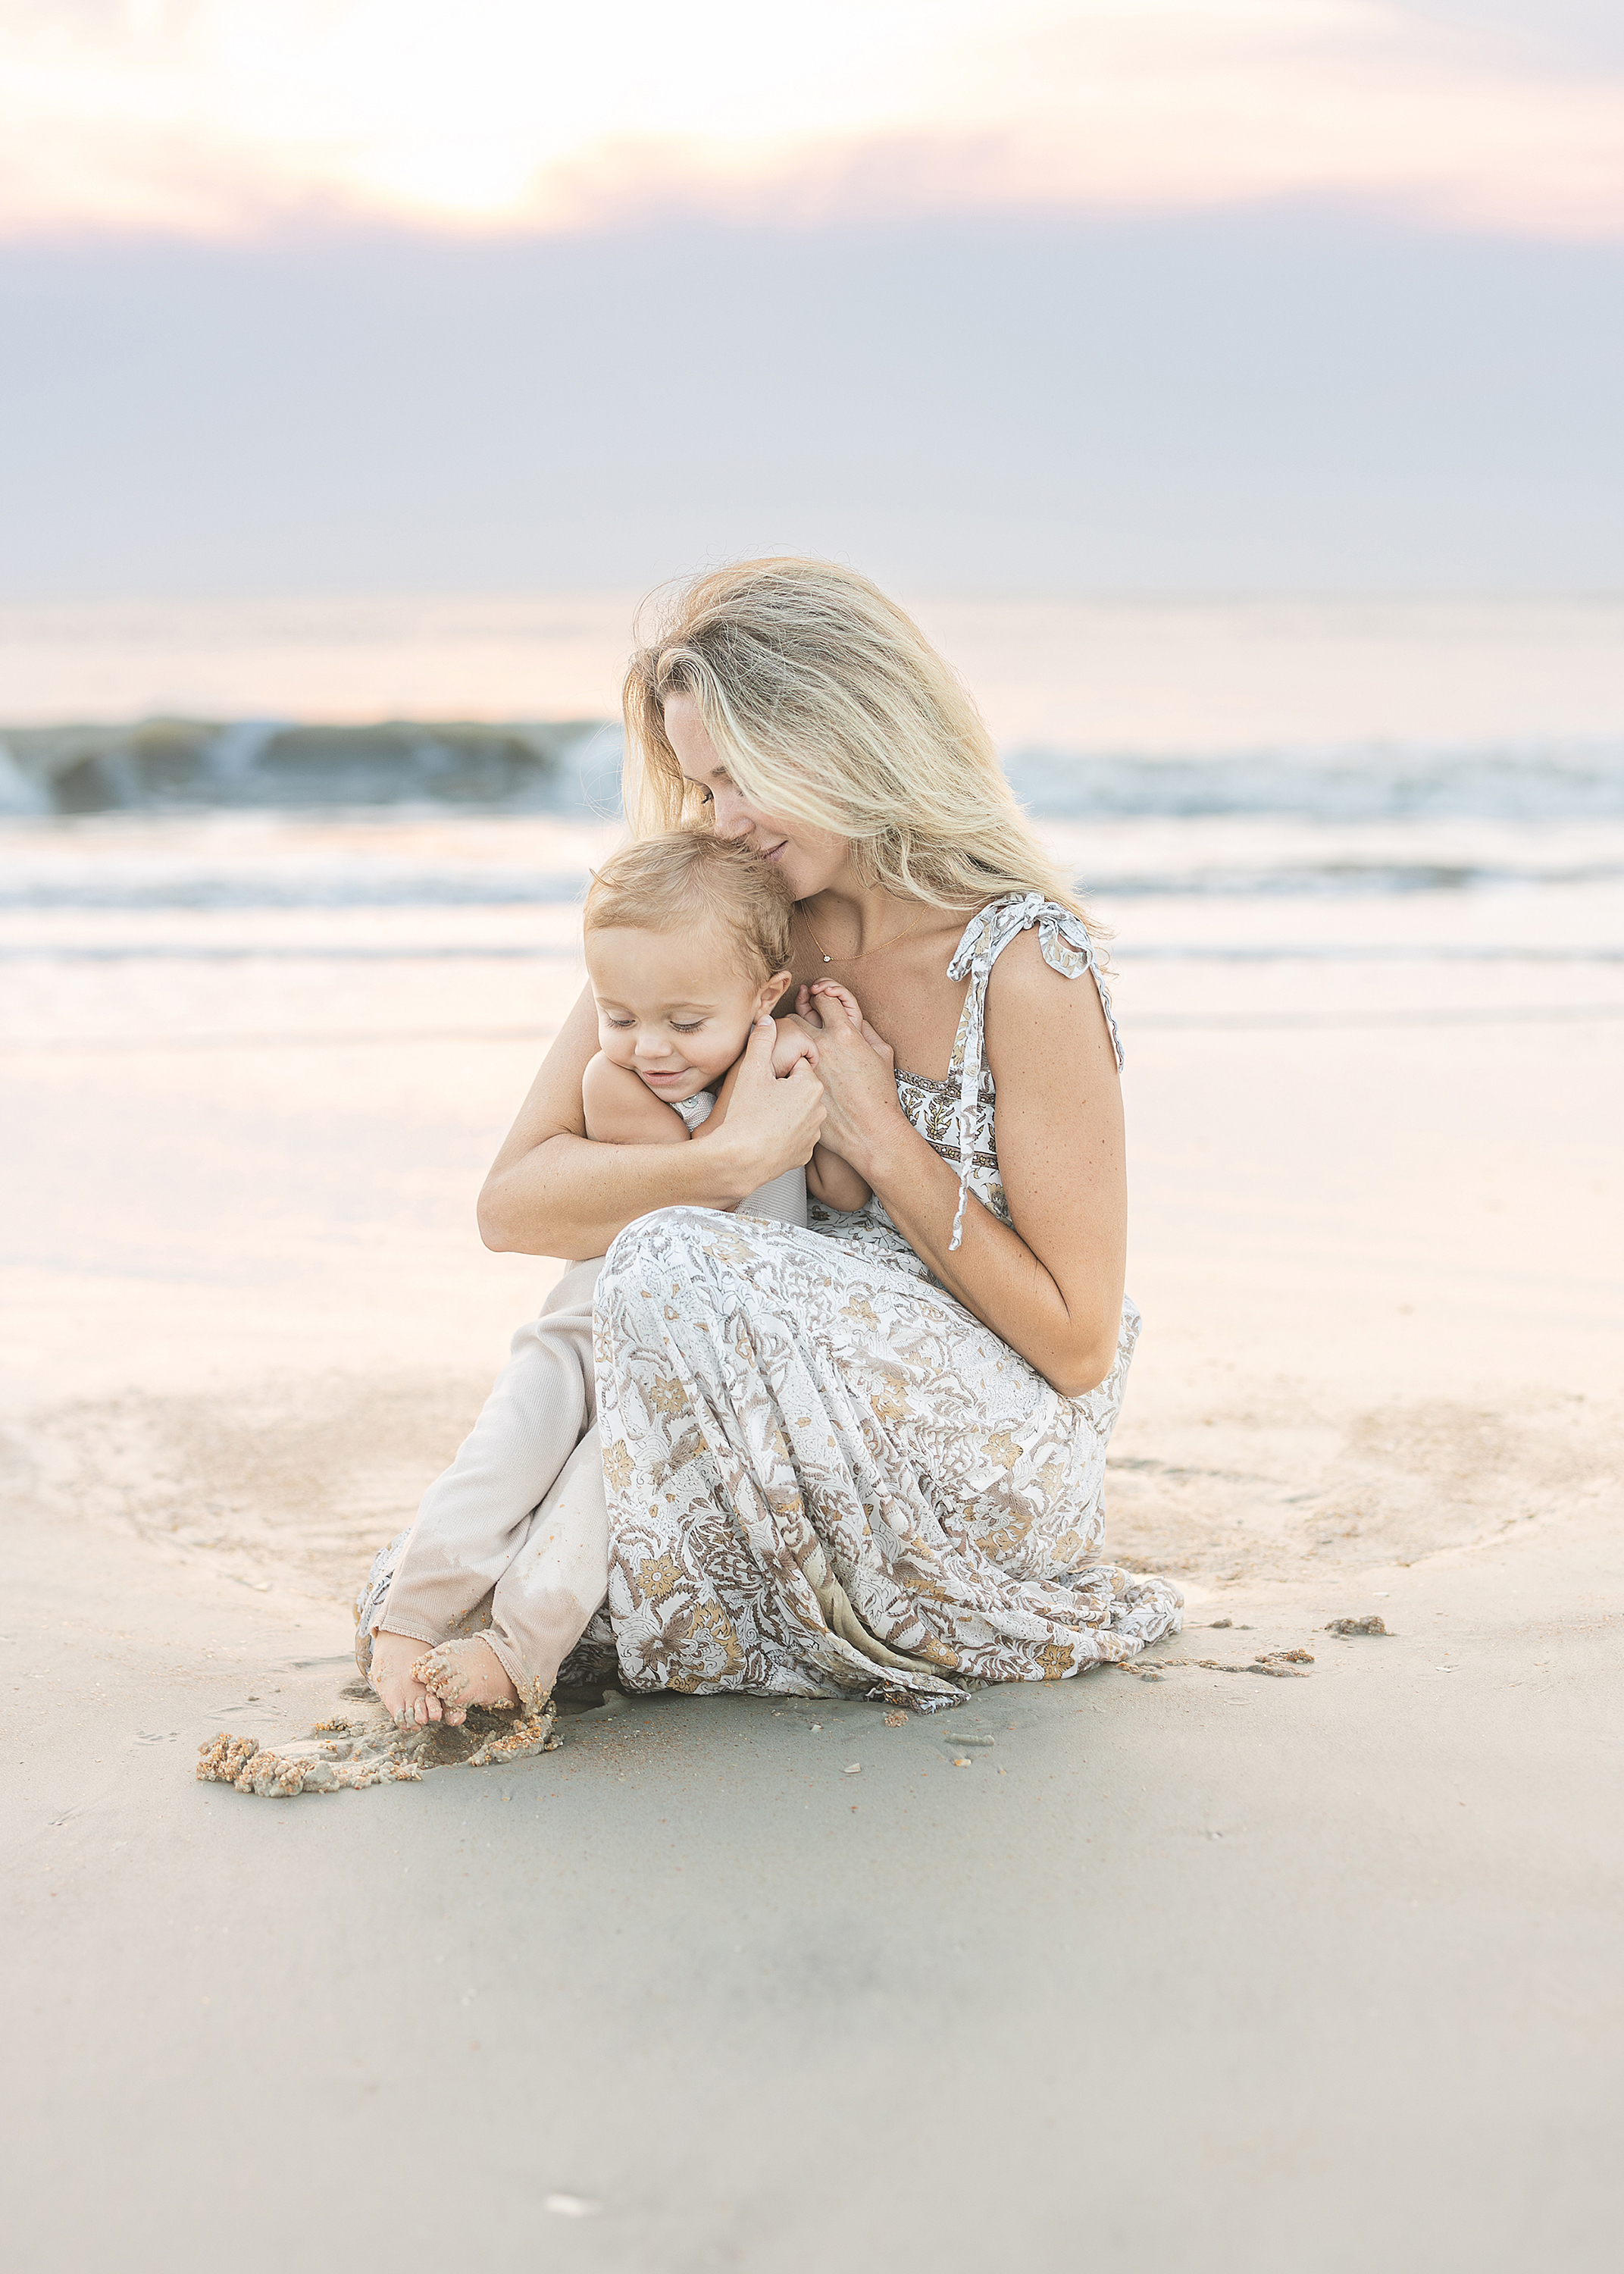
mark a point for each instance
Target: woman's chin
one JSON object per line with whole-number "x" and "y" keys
{"x": 806, "y": 878}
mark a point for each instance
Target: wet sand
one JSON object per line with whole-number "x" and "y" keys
{"x": 1225, "y": 1970}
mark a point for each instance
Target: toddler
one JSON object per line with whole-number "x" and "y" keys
{"x": 686, "y": 946}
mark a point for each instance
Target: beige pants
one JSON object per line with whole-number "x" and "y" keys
{"x": 519, "y": 1517}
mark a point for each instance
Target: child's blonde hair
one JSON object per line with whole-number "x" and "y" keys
{"x": 686, "y": 878}
{"x": 829, "y": 706}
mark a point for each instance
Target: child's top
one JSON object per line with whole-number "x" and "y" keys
{"x": 784, "y": 1200}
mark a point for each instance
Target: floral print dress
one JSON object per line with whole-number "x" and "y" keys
{"x": 823, "y": 1474}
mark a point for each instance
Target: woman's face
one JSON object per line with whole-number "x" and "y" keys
{"x": 810, "y": 859}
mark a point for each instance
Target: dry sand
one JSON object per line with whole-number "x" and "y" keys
{"x": 1216, "y": 1970}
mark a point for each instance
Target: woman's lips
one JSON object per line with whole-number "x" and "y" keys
{"x": 771, "y": 852}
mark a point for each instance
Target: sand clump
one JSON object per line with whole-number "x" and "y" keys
{"x": 249, "y": 1766}
{"x": 344, "y": 1756}
{"x": 1284, "y": 1665}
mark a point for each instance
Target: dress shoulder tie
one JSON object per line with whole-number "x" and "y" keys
{"x": 1066, "y": 947}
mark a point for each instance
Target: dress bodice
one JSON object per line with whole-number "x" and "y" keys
{"x": 958, "y": 1118}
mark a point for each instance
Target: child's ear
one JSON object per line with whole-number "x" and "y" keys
{"x": 771, "y": 991}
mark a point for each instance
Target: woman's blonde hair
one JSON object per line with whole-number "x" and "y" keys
{"x": 687, "y": 878}
{"x": 829, "y": 706}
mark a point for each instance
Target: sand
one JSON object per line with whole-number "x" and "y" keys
{"x": 1319, "y": 1968}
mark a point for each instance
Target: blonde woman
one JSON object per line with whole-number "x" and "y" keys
{"x": 866, "y": 1456}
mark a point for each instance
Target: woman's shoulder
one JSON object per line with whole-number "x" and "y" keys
{"x": 1023, "y": 974}
{"x": 1061, "y": 936}
{"x": 1040, "y": 1025}
{"x": 1031, "y": 990}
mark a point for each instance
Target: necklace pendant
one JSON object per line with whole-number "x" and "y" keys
{"x": 829, "y": 959}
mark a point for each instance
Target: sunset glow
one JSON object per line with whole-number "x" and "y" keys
{"x": 229, "y": 118}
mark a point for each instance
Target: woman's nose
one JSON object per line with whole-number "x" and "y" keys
{"x": 733, "y": 817}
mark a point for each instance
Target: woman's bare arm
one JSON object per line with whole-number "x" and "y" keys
{"x": 551, "y": 1192}
{"x": 1052, "y": 1287}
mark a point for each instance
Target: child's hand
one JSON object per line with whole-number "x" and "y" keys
{"x": 792, "y": 1044}
{"x": 826, "y": 1000}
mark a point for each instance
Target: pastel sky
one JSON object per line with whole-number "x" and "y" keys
{"x": 226, "y": 119}
{"x": 1065, "y": 296}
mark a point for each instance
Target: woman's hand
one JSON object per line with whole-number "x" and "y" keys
{"x": 771, "y": 1124}
{"x": 857, "y": 1069}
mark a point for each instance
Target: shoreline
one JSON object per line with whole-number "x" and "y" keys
{"x": 1206, "y": 1964}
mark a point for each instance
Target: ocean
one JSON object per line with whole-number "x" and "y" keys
{"x": 354, "y": 821}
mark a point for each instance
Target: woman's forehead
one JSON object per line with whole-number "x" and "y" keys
{"x": 689, "y": 736}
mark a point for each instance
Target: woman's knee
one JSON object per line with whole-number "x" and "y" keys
{"x": 679, "y": 1242}
{"x": 680, "y": 1263}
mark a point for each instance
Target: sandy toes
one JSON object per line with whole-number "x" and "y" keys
{"x": 392, "y": 1671}
{"x": 466, "y": 1672}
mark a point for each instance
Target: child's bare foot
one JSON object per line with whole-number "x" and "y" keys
{"x": 458, "y": 1674}
{"x": 392, "y": 1674}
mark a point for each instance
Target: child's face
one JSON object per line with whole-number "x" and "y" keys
{"x": 672, "y": 1006}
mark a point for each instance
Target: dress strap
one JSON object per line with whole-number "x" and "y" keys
{"x": 1066, "y": 948}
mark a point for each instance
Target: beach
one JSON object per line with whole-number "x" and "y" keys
{"x": 1238, "y": 1968}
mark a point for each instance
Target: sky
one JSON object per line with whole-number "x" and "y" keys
{"x": 223, "y": 117}
{"x": 1148, "y": 295}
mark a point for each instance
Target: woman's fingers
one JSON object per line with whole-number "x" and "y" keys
{"x": 778, "y": 1120}
{"x": 757, "y": 1067}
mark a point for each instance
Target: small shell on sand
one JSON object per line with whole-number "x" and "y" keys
{"x": 1369, "y": 1626}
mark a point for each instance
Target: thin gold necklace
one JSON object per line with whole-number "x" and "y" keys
{"x": 867, "y": 951}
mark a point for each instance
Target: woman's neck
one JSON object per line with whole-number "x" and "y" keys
{"x": 849, "y": 918}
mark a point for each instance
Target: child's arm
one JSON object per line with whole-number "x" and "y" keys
{"x": 620, "y": 1108}
{"x": 829, "y": 1179}
{"x": 834, "y": 1181}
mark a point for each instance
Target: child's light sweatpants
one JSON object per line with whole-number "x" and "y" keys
{"x": 512, "y": 1541}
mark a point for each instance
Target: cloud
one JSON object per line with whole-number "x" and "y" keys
{"x": 230, "y": 118}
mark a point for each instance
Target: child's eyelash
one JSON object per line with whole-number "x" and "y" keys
{"x": 693, "y": 1026}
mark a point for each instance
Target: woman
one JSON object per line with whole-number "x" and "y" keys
{"x": 866, "y": 1456}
